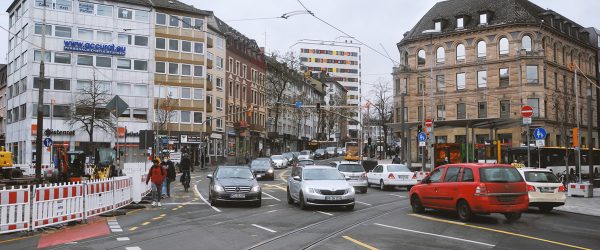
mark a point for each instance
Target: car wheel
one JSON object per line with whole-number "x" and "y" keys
{"x": 258, "y": 203}
{"x": 303, "y": 205}
{"x": 382, "y": 186}
{"x": 546, "y": 209}
{"x": 290, "y": 200}
{"x": 416, "y": 204}
{"x": 512, "y": 216}
{"x": 213, "y": 202}
{"x": 350, "y": 207}
{"x": 364, "y": 190}
{"x": 464, "y": 211}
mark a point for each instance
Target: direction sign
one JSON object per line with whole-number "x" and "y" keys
{"x": 428, "y": 123}
{"x": 526, "y": 111}
{"x": 118, "y": 105}
{"x": 47, "y": 142}
{"x": 298, "y": 104}
{"x": 539, "y": 134}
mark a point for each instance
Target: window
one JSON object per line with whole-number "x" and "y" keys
{"x": 141, "y": 41}
{"x": 198, "y": 94}
{"x": 160, "y": 67}
{"x": 534, "y": 103}
{"x": 186, "y": 46}
{"x": 160, "y": 43}
{"x": 103, "y": 36}
{"x": 421, "y": 85}
{"x": 37, "y": 56}
{"x": 219, "y": 104}
{"x": 460, "y": 52}
{"x": 467, "y": 175}
{"x": 436, "y": 175}
{"x": 505, "y": 109}
{"x": 186, "y": 93}
{"x": 186, "y": 69}
{"x": 64, "y": 58}
{"x": 452, "y": 174}
{"x": 186, "y": 22}
{"x": 198, "y": 23}
{"x": 124, "y": 39}
{"x": 420, "y": 113}
{"x": 185, "y": 117}
{"x": 198, "y": 71}
{"x": 87, "y": 8}
{"x": 504, "y": 77}
{"x": 219, "y": 62}
{"x": 161, "y": 19}
{"x": 532, "y": 74}
{"x": 482, "y": 79}
{"x": 38, "y": 29}
{"x": 84, "y": 34}
{"x": 482, "y": 110}
{"x": 199, "y": 48}
{"x": 438, "y": 26}
{"x": 421, "y": 58}
{"x": 36, "y": 84}
{"x": 104, "y": 10}
{"x": 140, "y": 114}
{"x": 61, "y": 31}
{"x": 197, "y": 117}
{"x": 85, "y": 60}
{"x": 123, "y": 88}
{"x": 526, "y": 43}
{"x": 460, "y": 81}
{"x": 61, "y": 111}
{"x": 173, "y": 21}
{"x": 461, "y": 111}
{"x": 104, "y": 62}
{"x": 173, "y": 92}
{"x": 173, "y": 44}
{"x": 481, "y": 49}
{"x": 440, "y": 83}
{"x": 140, "y": 90}
{"x": 441, "y": 112}
{"x": 140, "y": 65}
{"x": 173, "y": 68}
{"x": 460, "y": 22}
{"x": 483, "y": 18}
{"x": 125, "y": 13}
{"x": 123, "y": 64}
{"x": 440, "y": 55}
{"x": 83, "y": 85}
{"x": 219, "y": 83}
{"x": 142, "y": 16}
{"x": 504, "y": 47}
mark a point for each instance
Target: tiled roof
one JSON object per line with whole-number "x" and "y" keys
{"x": 178, "y": 6}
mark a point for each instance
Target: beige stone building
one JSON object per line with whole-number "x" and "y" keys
{"x": 470, "y": 65}
{"x": 215, "y": 88}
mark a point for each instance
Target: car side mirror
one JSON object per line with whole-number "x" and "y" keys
{"x": 297, "y": 178}
{"x": 210, "y": 176}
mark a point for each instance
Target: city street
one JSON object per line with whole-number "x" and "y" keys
{"x": 381, "y": 220}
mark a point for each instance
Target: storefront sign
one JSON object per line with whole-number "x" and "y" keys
{"x": 109, "y": 49}
{"x": 49, "y": 132}
{"x": 192, "y": 139}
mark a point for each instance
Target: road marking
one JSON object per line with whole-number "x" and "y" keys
{"x": 501, "y": 231}
{"x": 133, "y": 228}
{"x": 400, "y": 196}
{"x": 123, "y": 239}
{"x": 268, "y": 212}
{"x": 184, "y": 203}
{"x": 15, "y": 239}
{"x": 204, "y": 200}
{"x": 133, "y": 248}
{"x": 273, "y": 197}
{"x": 360, "y": 202}
{"x": 282, "y": 174}
{"x": 438, "y": 235}
{"x": 276, "y": 186}
{"x": 157, "y": 218}
{"x": 145, "y": 223}
{"x": 359, "y": 243}
{"x": 264, "y": 228}
{"x": 117, "y": 230}
{"x": 330, "y": 214}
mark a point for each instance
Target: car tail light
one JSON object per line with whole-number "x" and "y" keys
{"x": 391, "y": 176}
{"x": 415, "y": 176}
{"x": 363, "y": 175}
{"x": 481, "y": 189}
{"x": 562, "y": 189}
{"x": 530, "y": 188}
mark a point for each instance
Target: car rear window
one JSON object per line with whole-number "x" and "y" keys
{"x": 351, "y": 168}
{"x": 397, "y": 168}
{"x": 500, "y": 174}
{"x": 540, "y": 176}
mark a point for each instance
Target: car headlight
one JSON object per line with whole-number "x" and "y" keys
{"x": 255, "y": 188}
{"x": 218, "y": 188}
{"x": 312, "y": 191}
{"x": 350, "y": 190}
{"x": 270, "y": 171}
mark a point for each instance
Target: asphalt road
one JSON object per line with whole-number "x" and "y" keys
{"x": 381, "y": 220}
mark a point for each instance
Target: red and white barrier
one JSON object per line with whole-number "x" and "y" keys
{"x": 123, "y": 188}
{"x": 98, "y": 197}
{"x": 57, "y": 203}
{"x": 14, "y": 209}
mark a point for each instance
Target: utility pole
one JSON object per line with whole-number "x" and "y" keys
{"x": 403, "y": 127}
{"x": 590, "y": 141}
{"x": 577, "y": 112}
{"x": 40, "y": 107}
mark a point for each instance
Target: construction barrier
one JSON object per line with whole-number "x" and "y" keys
{"x": 14, "y": 209}
{"x": 98, "y": 196}
{"x": 122, "y": 191}
{"x": 57, "y": 203}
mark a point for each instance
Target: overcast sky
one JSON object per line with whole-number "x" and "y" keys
{"x": 375, "y": 22}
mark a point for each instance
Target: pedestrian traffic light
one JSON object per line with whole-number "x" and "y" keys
{"x": 419, "y": 128}
{"x": 369, "y": 141}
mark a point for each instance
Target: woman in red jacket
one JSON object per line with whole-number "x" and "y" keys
{"x": 156, "y": 174}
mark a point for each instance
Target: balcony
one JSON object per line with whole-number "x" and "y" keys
{"x": 209, "y": 86}
{"x": 209, "y": 63}
{"x": 210, "y": 43}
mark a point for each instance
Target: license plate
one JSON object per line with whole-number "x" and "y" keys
{"x": 402, "y": 177}
{"x": 546, "y": 190}
{"x": 506, "y": 198}
{"x": 238, "y": 196}
{"x": 333, "y": 198}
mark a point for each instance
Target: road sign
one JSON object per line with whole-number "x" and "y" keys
{"x": 428, "y": 123}
{"x": 117, "y": 105}
{"x": 540, "y": 143}
{"x": 47, "y": 142}
{"x": 526, "y": 120}
{"x": 298, "y": 104}
{"x": 539, "y": 134}
{"x": 526, "y": 111}
{"x": 422, "y": 137}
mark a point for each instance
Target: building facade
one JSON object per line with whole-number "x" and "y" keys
{"x": 216, "y": 89}
{"x": 470, "y": 65}
{"x": 2, "y": 104}
{"x": 335, "y": 95}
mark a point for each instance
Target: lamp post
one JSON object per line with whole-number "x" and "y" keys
{"x": 432, "y": 99}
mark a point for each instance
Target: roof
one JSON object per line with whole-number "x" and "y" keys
{"x": 178, "y": 6}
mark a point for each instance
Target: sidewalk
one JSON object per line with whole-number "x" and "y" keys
{"x": 579, "y": 205}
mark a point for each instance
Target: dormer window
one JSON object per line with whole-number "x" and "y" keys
{"x": 438, "y": 26}
{"x": 460, "y": 23}
{"x": 483, "y": 18}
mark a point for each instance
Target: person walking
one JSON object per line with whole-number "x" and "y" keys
{"x": 186, "y": 166}
{"x": 171, "y": 175}
{"x": 165, "y": 166}
{"x": 396, "y": 160}
{"x": 156, "y": 174}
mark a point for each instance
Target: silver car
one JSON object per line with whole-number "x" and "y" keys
{"x": 280, "y": 161}
{"x": 355, "y": 171}
{"x": 319, "y": 186}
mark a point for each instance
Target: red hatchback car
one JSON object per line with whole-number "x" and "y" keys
{"x": 472, "y": 188}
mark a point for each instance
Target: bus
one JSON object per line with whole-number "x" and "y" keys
{"x": 556, "y": 159}
{"x": 352, "y": 151}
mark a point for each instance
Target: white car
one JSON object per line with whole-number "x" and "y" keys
{"x": 545, "y": 190}
{"x": 387, "y": 175}
{"x": 280, "y": 161}
{"x": 356, "y": 172}
{"x": 305, "y": 155}
{"x": 319, "y": 186}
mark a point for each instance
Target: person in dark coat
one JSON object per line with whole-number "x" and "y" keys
{"x": 171, "y": 175}
{"x": 396, "y": 160}
{"x": 186, "y": 166}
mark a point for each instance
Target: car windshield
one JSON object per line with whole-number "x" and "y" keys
{"x": 330, "y": 149}
{"x": 319, "y": 151}
{"x": 260, "y": 163}
{"x": 277, "y": 157}
{"x": 500, "y": 174}
{"x": 306, "y": 162}
{"x": 288, "y": 155}
{"x": 540, "y": 176}
{"x": 305, "y": 153}
{"x": 355, "y": 168}
{"x": 322, "y": 174}
{"x": 397, "y": 168}
{"x": 239, "y": 173}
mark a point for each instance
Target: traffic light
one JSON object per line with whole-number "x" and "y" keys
{"x": 419, "y": 128}
{"x": 369, "y": 141}
{"x": 318, "y": 106}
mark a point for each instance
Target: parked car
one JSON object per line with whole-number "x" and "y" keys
{"x": 305, "y": 162}
{"x": 305, "y": 154}
{"x": 340, "y": 152}
{"x": 233, "y": 184}
{"x": 544, "y": 189}
{"x": 319, "y": 186}
{"x": 290, "y": 157}
{"x": 355, "y": 171}
{"x": 391, "y": 175}
{"x": 472, "y": 188}
{"x": 280, "y": 161}
{"x": 331, "y": 152}
{"x": 262, "y": 168}
{"x": 320, "y": 154}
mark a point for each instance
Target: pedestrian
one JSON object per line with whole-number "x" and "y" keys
{"x": 171, "y": 175}
{"x": 186, "y": 166}
{"x": 156, "y": 174}
{"x": 396, "y": 160}
{"x": 165, "y": 166}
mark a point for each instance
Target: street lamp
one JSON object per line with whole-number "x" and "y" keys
{"x": 431, "y": 97}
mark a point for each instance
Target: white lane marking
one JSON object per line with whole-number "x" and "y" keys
{"x": 268, "y": 212}
{"x": 364, "y": 203}
{"x": 397, "y": 195}
{"x": 204, "y": 200}
{"x": 133, "y": 248}
{"x": 437, "y": 235}
{"x": 123, "y": 239}
{"x": 117, "y": 230}
{"x": 184, "y": 203}
{"x": 273, "y": 197}
{"x": 264, "y": 228}
{"x": 330, "y": 214}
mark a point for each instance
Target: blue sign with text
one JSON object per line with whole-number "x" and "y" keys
{"x": 539, "y": 133}
{"x": 109, "y": 49}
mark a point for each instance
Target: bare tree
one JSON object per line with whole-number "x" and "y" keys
{"x": 382, "y": 104}
{"x": 165, "y": 109}
{"x": 90, "y": 112}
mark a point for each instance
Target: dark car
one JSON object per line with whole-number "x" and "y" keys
{"x": 262, "y": 168}
{"x": 233, "y": 184}
{"x": 291, "y": 158}
{"x": 320, "y": 154}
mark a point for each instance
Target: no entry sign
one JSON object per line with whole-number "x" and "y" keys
{"x": 526, "y": 111}
{"x": 428, "y": 123}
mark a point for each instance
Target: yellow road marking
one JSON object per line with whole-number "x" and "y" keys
{"x": 145, "y": 223}
{"x": 15, "y": 239}
{"x": 175, "y": 209}
{"x": 157, "y": 218}
{"x": 282, "y": 174}
{"x": 359, "y": 243}
{"x": 162, "y": 215}
{"x": 133, "y": 228}
{"x": 276, "y": 186}
{"x": 500, "y": 231}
